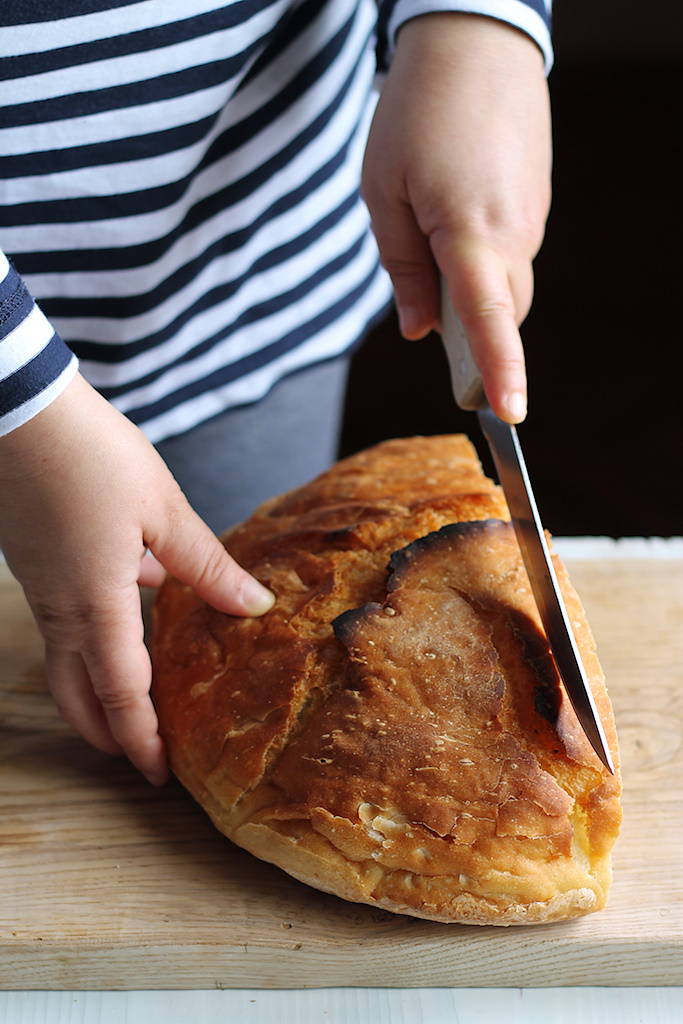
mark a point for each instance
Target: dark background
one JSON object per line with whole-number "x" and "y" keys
{"x": 604, "y": 437}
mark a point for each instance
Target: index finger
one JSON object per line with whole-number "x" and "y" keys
{"x": 481, "y": 292}
{"x": 118, "y": 667}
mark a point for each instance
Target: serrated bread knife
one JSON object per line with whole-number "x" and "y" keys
{"x": 514, "y": 479}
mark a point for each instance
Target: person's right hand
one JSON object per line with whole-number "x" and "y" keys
{"x": 457, "y": 175}
{"x": 83, "y": 494}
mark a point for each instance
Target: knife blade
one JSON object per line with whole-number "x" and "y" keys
{"x": 512, "y": 473}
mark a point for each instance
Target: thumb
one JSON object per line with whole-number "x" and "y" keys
{"x": 194, "y": 555}
{"x": 406, "y": 256}
{"x": 415, "y": 281}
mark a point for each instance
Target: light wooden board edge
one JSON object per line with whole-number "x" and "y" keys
{"x": 548, "y": 964}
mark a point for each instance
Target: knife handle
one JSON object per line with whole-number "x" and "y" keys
{"x": 468, "y": 387}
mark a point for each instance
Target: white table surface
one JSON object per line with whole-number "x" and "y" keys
{"x": 376, "y": 1006}
{"x": 349, "y": 1006}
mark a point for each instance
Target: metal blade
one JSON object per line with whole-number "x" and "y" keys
{"x": 468, "y": 389}
{"x": 512, "y": 473}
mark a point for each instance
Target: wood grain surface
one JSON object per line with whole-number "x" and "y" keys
{"x": 106, "y": 883}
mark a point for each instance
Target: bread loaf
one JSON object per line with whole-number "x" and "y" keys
{"x": 394, "y": 730}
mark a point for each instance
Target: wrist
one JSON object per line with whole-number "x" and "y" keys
{"x": 31, "y": 448}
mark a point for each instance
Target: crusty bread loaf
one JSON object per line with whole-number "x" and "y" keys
{"x": 394, "y": 730}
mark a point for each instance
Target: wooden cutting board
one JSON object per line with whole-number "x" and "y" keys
{"x": 106, "y": 883}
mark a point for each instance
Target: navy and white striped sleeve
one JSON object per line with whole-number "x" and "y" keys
{"x": 35, "y": 364}
{"x": 531, "y": 16}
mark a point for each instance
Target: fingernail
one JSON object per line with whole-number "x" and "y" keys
{"x": 516, "y": 405}
{"x": 257, "y": 599}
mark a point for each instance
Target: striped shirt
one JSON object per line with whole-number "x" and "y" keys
{"x": 179, "y": 188}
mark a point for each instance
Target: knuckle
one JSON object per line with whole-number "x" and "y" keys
{"x": 502, "y": 363}
{"x": 116, "y": 700}
{"x": 176, "y": 512}
{"x": 65, "y": 625}
{"x": 118, "y": 695}
{"x": 528, "y": 231}
{"x": 401, "y": 269}
{"x": 489, "y": 309}
{"x": 215, "y": 564}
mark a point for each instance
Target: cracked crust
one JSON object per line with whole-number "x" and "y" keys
{"x": 394, "y": 730}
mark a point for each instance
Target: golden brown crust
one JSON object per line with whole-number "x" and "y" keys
{"x": 394, "y": 730}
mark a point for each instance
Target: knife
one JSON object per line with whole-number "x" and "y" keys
{"x": 514, "y": 479}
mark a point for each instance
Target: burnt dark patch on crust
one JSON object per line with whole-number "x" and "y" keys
{"x": 547, "y": 703}
{"x": 345, "y": 626}
{"x": 453, "y": 560}
{"x": 440, "y": 542}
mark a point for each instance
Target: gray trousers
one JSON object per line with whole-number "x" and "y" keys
{"x": 228, "y": 466}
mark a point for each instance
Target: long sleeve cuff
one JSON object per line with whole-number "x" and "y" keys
{"x": 531, "y": 16}
{"x": 35, "y": 364}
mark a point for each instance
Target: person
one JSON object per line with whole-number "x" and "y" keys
{"x": 182, "y": 193}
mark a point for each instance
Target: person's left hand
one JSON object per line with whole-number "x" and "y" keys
{"x": 458, "y": 171}
{"x": 83, "y": 495}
